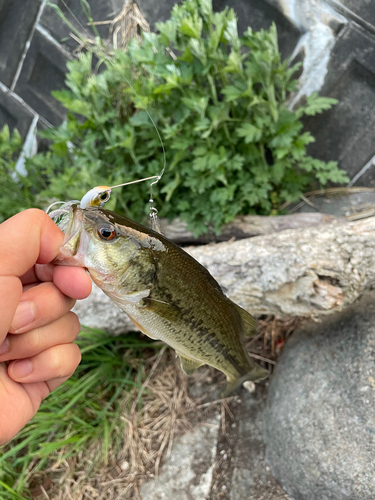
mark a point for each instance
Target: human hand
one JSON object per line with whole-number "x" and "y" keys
{"x": 37, "y": 329}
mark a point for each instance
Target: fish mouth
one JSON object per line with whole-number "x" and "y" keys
{"x": 76, "y": 241}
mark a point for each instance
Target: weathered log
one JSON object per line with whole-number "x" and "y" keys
{"x": 246, "y": 226}
{"x": 307, "y": 272}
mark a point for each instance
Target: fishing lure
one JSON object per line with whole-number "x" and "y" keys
{"x": 96, "y": 197}
{"x": 99, "y": 195}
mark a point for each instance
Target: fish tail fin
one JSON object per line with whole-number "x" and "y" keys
{"x": 256, "y": 374}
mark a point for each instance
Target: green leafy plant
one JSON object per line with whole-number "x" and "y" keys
{"x": 220, "y": 104}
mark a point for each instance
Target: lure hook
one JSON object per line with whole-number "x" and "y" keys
{"x": 152, "y": 209}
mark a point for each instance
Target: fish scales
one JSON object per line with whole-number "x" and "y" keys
{"x": 164, "y": 291}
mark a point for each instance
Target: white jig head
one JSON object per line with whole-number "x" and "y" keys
{"x": 96, "y": 197}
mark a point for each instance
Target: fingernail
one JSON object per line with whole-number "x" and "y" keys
{"x": 23, "y": 316}
{"x": 4, "y": 347}
{"x": 22, "y": 368}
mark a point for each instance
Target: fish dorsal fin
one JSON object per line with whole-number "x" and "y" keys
{"x": 189, "y": 365}
{"x": 248, "y": 322}
{"x": 162, "y": 309}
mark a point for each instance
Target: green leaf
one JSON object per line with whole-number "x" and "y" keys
{"x": 315, "y": 104}
{"x": 196, "y": 103}
{"x": 167, "y": 32}
{"x": 191, "y": 27}
{"x": 231, "y": 33}
{"x": 200, "y": 163}
{"x": 170, "y": 188}
{"x": 181, "y": 143}
{"x": 232, "y": 92}
{"x": 236, "y": 163}
{"x": 198, "y": 50}
{"x": 249, "y": 132}
{"x": 205, "y": 7}
{"x": 223, "y": 195}
{"x": 234, "y": 63}
{"x": 139, "y": 119}
{"x": 200, "y": 151}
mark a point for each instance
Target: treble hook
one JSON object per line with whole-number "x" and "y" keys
{"x": 154, "y": 219}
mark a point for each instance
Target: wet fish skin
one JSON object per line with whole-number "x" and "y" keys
{"x": 164, "y": 291}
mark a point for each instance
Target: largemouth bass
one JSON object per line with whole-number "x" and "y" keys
{"x": 167, "y": 294}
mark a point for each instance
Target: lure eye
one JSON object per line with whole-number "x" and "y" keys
{"x": 104, "y": 197}
{"x": 107, "y": 232}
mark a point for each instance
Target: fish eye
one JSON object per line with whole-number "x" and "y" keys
{"x": 104, "y": 196}
{"x": 107, "y": 232}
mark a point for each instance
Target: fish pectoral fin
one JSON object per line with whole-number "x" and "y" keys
{"x": 162, "y": 309}
{"x": 248, "y": 322}
{"x": 136, "y": 297}
{"x": 189, "y": 365}
{"x": 255, "y": 375}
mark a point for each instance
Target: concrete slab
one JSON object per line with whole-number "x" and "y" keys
{"x": 17, "y": 19}
{"x": 74, "y": 12}
{"x": 14, "y": 113}
{"x": 252, "y": 479}
{"x": 241, "y": 471}
{"x": 43, "y": 71}
{"x": 187, "y": 473}
{"x": 222, "y": 461}
{"x": 345, "y": 133}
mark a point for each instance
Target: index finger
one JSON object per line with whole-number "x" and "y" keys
{"x": 40, "y": 272}
{"x": 25, "y": 239}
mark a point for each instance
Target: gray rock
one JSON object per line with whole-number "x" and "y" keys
{"x": 187, "y": 473}
{"x": 252, "y": 478}
{"x": 320, "y": 423}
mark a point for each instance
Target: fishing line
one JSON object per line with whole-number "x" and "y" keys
{"x": 135, "y": 182}
{"x": 157, "y": 177}
{"x": 73, "y": 15}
